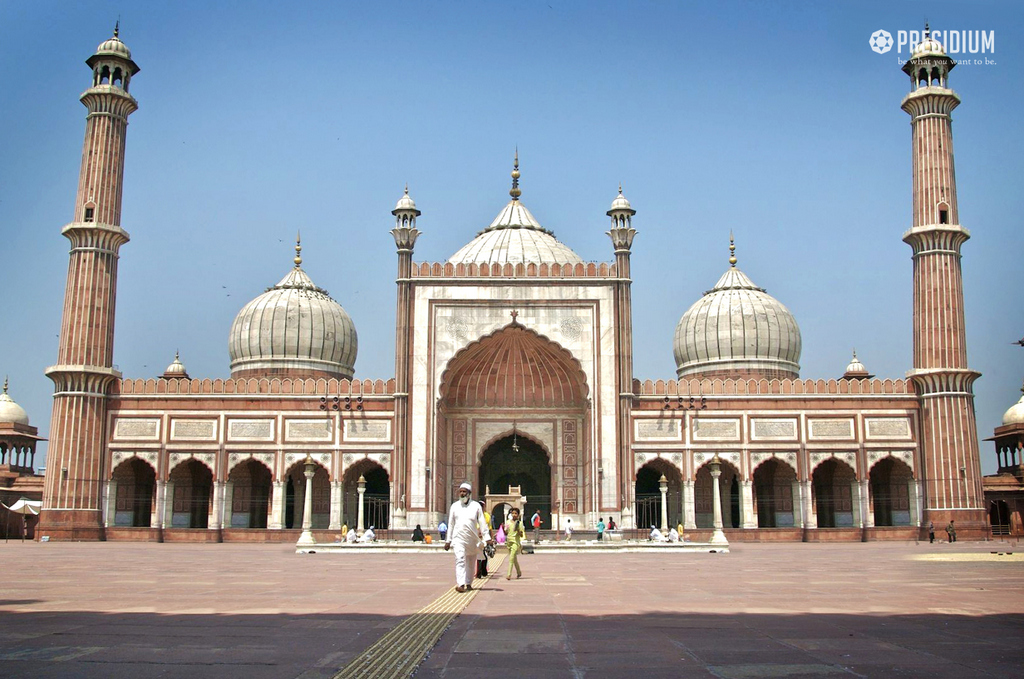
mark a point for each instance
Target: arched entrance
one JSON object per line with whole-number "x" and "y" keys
{"x": 193, "y": 485}
{"x": 526, "y": 465}
{"x": 774, "y": 483}
{"x": 376, "y": 498}
{"x": 648, "y": 495}
{"x": 135, "y": 484}
{"x": 890, "y": 492}
{"x": 516, "y": 375}
{"x": 832, "y": 485}
{"x": 295, "y": 497}
{"x": 250, "y": 488}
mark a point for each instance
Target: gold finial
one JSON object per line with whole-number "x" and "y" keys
{"x": 515, "y": 192}
{"x": 117, "y": 27}
{"x": 175, "y": 354}
{"x": 620, "y": 188}
{"x": 5, "y": 384}
{"x": 732, "y": 250}
{"x": 298, "y": 249}
{"x": 407, "y": 188}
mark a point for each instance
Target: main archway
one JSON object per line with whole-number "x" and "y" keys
{"x": 515, "y": 375}
{"x": 517, "y": 461}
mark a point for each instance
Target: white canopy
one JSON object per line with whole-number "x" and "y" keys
{"x": 24, "y": 506}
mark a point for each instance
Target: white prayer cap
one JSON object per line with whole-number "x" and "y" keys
{"x": 466, "y": 486}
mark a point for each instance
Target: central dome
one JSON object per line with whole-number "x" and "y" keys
{"x": 515, "y": 237}
{"x": 293, "y": 329}
{"x": 737, "y": 330}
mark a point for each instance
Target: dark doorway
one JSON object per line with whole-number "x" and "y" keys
{"x": 526, "y": 466}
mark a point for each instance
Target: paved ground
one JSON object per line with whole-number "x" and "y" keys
{"x": 255, "y": 611}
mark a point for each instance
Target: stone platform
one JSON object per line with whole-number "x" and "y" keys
{"x": 543, "y": 547}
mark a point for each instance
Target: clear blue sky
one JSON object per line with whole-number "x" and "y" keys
{"x": 256, "y": 119}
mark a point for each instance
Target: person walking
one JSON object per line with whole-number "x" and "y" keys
{"x": 600, "y": 529}
{"x": 951, "y": 531}
{"x": 514, "y": 534}
{"x": 931, "y": 531}
{"x": 442, "y": 530}
{"x": 568, "y": 530}
{"x": 467, "y": 533}
{"x": 535, "y": 522}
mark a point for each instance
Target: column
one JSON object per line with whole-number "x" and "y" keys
{"x": 857, "y": 504}
{"x": 215, "y": 521}
{"x": 306, "y": 538}
{"x": 335, "y": 505}
{"x": 798, "y": 514}
{"x": 914, "y": 489}
{"x": 227, "y": 511}
{"x": 689, "y": 514}
{"x": 157, "y": 515}
{"x": 276, "y": 521}
{"x": 663, "y": 487}
{"x": 110, "y": 506}
{"x": 867, "y": 511}
{"x": 807, "y": 501}
{"x": 168, "y": 505}
{"x": 718, "y": 536}
{"x": 361, "y": 520}
{"x": 747, "y": 519}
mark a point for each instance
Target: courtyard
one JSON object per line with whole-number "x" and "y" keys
{"x": 764, "y": 610}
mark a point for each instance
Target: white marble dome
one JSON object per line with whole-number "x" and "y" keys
{"x": 294, "y": 326}
{"x": 515, "y": 237}
{"x": 113, "y": 47}
{"x": 928, "y": 47}
{"x": 176, "y": 368}
{"x": 1015, "y": 415}
{"x": 11, "y": 412}
{"x": 737, "y": 326}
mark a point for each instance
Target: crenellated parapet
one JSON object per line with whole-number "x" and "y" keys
{"x": 718, "y": 387}
{"x": 508, "y": 270}
{"x": 299, "y": 387}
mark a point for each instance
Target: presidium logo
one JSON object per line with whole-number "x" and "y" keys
{"x": 881, "y": 41}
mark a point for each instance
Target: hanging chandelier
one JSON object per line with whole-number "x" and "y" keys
{"x": 515, "y": 438}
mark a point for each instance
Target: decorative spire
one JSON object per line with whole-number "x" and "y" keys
{"x": 927, "y": 30}
{"x": 732, "y": 250}
{"x": 5, "y": 385}
{"x": 407, "y": 188}
{"x": 515, "y": 192}
{"x": 117, "y": 27}
{"x": 298, "y": 250}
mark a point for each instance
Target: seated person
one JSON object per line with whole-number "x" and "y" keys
{"x": 656, "y": 535}
{"x": 368, "y": 535}
{"x": 673, "y": 535}
{"x": 417, "y": 534}
{"x": 351, "y": 536}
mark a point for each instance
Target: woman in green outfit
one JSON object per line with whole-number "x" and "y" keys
{"x": 514, "y": 534}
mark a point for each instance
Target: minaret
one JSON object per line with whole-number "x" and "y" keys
{"x": 622, "y": 234}
{"x": 952, "y": 468}
{"x": 405, "y": 234}
{"x": 84, "y": 370}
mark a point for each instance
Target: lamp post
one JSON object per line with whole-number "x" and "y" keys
{"x": 361, "y": 520}
{"x": 718, "y": 536}
{"x": 306, "y": 538}
{"x": 663, "y": 486}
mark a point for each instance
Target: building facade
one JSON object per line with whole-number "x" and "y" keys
{"x": 513, "y": 369}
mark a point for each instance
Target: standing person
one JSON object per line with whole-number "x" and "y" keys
{"x": 951, "y": 531}
{"x": 535, "y": 522}
{"x": 467, "y": 531}
{"x": 442, "y": 529}
{"x": 514, "y": 534}
{"x": 568, "y": 530}
{"x": 600, "y": 529}
{"x": 931, "y": 531}
{"x": 611, "y": 523}
{"x": 481, "y": 556}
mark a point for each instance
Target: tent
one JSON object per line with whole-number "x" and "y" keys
{"x": 25, "y": 506}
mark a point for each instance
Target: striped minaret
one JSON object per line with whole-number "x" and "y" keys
{"x": 84, "y": 371}
{"x": 949, "y": 439}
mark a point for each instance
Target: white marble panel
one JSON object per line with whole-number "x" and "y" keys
{"x": 660, "y": 429}
{"x": 193, "y": 430}
{"x": 250, "y": 430}
{"x": 319, "y": 429}
{"x": 367, "y": 430}
{"x": 715, "y": 429}
{"x": 831, "y": 428}
{"x": 137, "y": 428}
{"x": 773, "y": 429}
{"x": 887, "y": 428}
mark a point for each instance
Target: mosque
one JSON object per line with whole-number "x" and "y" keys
{"x": 514, "y": 371}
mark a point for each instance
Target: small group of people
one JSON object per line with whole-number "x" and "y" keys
{"x": 469, "y": 535}
{"x": 351, "y": 535}
{"x": 674, "y": 534}
{"x": 950, "y": 531}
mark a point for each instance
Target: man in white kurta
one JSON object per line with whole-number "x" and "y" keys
{"x": 467, "y": 533}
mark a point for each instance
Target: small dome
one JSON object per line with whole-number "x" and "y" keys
{"x": 293, "y": 326}
{"x": 113, "y": 47}
{"x": 928, "y": 47}
{"x": 405, "y": 203}
{"x": 1015, "y": 415}
{"x": 855, "y": 369}
{"x": 11, "y": 412}
{"x": 176, "y": 368}
{"x": 620, "y": 202}
{"x": 737, "y": 327}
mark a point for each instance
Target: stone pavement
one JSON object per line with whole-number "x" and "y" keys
{"x": 765, "y": 610}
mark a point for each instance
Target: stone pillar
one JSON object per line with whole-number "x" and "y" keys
{"x": 914, "y": 490}
{"x": 336, "y": 493}
{"x": 110, "y": 506}
{"x": 157, "y": 515}
{"x": 856, "y": 504}
{"x": 718, "y": 536}
{"x": 866, "y": 510}
{"x": 168, "y": 520}
{"x": 747, "y": 519}
{"x": 277, "y": 508}
{"x": 663, "y": 487}
{"x": 807, "y": 502}
{"x": 798, "y": 514}
{"x": 227, "y": 513}
{"x": 216, "y": 518}
{"x": 361, "y": 520}
{"x": 689, "y": 513}
{"x": 306, "y": 538}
